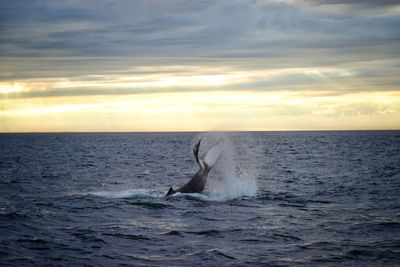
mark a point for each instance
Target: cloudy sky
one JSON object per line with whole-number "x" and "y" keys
{"x": 177, "y": 65}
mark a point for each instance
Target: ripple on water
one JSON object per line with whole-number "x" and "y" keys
{"x": 173, "y": 233}
{"x": 127, "y": 236}
{"x": 13, "y": 215}
{"x": 34, "y": 243}
{"x": 211, "y": 256}
{"x": 211, "y": 232}
{"x": 151, "y": 205}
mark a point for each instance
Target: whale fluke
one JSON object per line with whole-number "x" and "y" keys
{"x": 198, "y": 182}
{"x": 213, "y": 154}
{"x": 196, "y": 155}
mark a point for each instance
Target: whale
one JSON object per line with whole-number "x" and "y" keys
{"x": 206, "y": 163}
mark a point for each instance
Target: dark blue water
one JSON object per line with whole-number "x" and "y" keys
{"x": 323, "y": 198}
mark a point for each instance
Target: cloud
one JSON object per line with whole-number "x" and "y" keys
{"x": 368, "y": 3}
{"x": 184, "y": 29}
{"x": 199, "y": 78}
{"x": 146, "y": 48}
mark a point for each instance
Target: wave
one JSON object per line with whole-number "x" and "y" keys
{"x": 150, "y": 205}
{"x": 147, "y": 194}
{"x": 211, "y": 254}
{"x": 131, "y": 193}
{"x": 13, "y": 215}
{"x": 127, "y": 236}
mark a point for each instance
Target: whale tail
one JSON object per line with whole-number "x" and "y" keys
{"x": 196, "y": 155}
{"x": 210, "y": 157}
{"x": 206, "y": 163}
{"x": 213, "y": 154}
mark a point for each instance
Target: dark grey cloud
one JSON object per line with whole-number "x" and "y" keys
{"x": 178, "y": 28}
{"x": 370, "y": 3}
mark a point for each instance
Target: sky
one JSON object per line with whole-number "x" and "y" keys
{"x": 153, "y": 65}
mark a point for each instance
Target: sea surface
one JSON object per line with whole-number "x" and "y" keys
{"x": 273, "y": 199}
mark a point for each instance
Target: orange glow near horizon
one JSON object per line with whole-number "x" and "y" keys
{"x": 203, "y": 111}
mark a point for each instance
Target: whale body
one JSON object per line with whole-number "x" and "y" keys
{"x": 206, "y": 163}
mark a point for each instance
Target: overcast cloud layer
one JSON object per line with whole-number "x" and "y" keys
{"x": 228, "y": 29}
{"x": 119, "y": 47}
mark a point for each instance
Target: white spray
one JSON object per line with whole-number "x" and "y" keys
{"x": 228, "y": 180}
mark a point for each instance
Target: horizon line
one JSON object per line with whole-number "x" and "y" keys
{"x": 211, "y": 131}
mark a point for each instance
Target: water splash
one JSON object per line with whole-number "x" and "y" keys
{"x": 229, "y": 179}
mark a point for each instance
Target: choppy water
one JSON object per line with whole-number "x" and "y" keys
{"x": 320, "y": 198}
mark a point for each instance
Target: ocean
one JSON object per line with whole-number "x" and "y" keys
{"x": 273, "y": 199}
